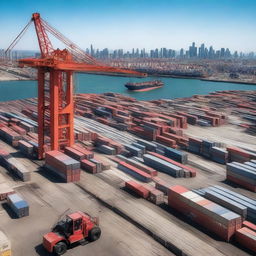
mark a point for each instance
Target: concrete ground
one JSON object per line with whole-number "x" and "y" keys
{"x": 130, "y": 225}
{"x": 48, "y": 200}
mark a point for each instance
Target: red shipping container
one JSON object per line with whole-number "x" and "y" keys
{"x": 144, "y": 168}
{"x": 202, "y": 211}
{"x": 249, "y": 225}
{"x": 247, "y": 238}
{"x": 239, "y": 151}
{"x": 19, "y": 130}
{"x": 88, "y": 166}
{"x": 74, "y": 153}
{"x": 138, "y": 172}
{"x": 88, "y": 154}
{"x": 242, "y": 183}
{"x": 166, "y": 141}
{"x": 137, "y": 188}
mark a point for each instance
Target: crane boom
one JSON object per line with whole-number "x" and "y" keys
{"x": 59, "y": 65}
{"x": 45, "y": 44}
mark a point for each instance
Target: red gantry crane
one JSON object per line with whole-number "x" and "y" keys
{"x": 60, "y": 65}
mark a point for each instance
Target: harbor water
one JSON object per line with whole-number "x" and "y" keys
{"x": 87, "y": 83}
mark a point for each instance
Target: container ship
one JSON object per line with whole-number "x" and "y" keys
{"x": 144, "y": 86}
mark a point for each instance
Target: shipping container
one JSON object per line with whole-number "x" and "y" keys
{"x": 137, "y": 188}
{"x": 149, "y": 145}
{"x": 156, "y": 196}
{"x": 5, "y": 245}
{"x": 63, "y": 166}
{"x": 106, "y": 150}
{"x": 247, "y": 238}
{"x": 18, "y": 205}
{"x": 15, "y": 166}
{"x": 75, "y": 154}
{"x": 162, "y": 185}
{"x": 163, "y": 166}
{"x": 5, "y": 190}
{"x": 188, "y": 171}
{"x": 152, "y": 172}
{"x": 133, "y": 150}
{"x": 135, "y": 172}
{"x": 26, "y": 148}
{"x": 177, "y": 155}
{"x": 227, "y": 203}
{"x": 212, "y": 216}
{"x": 88, "y": 166}
{"x": 249, "y": 203}
{"x": 242, "y": 174}
{"x": 249, "y": 225}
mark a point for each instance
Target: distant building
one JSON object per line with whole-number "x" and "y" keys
{"x": 182, "y": 53}
{"x": 193, "y": 51}
{"x": 92, "y": 50}
{"x": 201, "y": 52}
{"x": 211, "y": 53}
{"x": 222, "y": 53}
{"x": 227, "y": 54}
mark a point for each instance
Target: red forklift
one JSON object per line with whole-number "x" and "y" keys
{"x": 77, "y": 227}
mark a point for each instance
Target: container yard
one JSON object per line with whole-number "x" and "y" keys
{"x": 107, "y": 174}
{"x": 177, "y": 175}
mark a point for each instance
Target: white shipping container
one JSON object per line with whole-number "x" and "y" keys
{"x": 5, "y": 243}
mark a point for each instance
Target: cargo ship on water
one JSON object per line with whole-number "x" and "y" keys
{"x": 144, "y": 86}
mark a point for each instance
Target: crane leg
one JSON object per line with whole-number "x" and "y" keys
{"x": 55, "y": 83}
{"x": 61, "y": 109}
{"x": 70, "y": 107}
{"x": 41, "y": 112}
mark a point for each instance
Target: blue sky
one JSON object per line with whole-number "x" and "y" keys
{"x": 136, "y": 23}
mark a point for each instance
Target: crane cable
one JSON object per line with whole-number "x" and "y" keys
{"x": 75, "y": 50}
{"x": 17, "y": 38}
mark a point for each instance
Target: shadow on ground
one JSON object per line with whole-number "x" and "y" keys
{"x": 10, "y": 212}
{"x": 50, "y": 175}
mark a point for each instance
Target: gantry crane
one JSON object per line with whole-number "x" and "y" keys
{"x": 60, "y": 65}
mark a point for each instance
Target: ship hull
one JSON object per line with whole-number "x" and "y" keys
{"x": 142, "y": 88}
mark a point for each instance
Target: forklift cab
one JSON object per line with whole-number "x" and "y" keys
{"x": 76, "y": 227}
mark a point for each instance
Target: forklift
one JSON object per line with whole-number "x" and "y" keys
{"x": 76, "y": 227}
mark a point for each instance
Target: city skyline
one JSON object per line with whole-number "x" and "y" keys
{"x": 193, "y": 51}
{"x": 124, "y": 24}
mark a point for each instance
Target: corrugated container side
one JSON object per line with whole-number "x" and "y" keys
{"x": 135, "y": 172}
{"x": 247, "y": 238}
{"x": 137, "y": 188}
{"x": 18, "y": 205}
{"x": 228, "y": 203}
{"x": 210, "y": 215}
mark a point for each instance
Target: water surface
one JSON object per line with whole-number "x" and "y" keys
{"x": 86, "y": 83}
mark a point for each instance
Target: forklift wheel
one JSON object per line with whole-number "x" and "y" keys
{"x": 60, "y": 248}
{"x": 94, "y": 234}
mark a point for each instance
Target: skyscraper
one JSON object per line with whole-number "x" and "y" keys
{"x": 182, "y": 53}
{"x": 193, "y": 51}
{"x": 92, "y": 50}
{"x": 201, "y": 53}
{"x": 222, "y": 52}
{"x": 211, "y": 53}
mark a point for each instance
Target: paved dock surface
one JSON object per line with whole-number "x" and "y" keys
{"x": 130, "y": 225}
